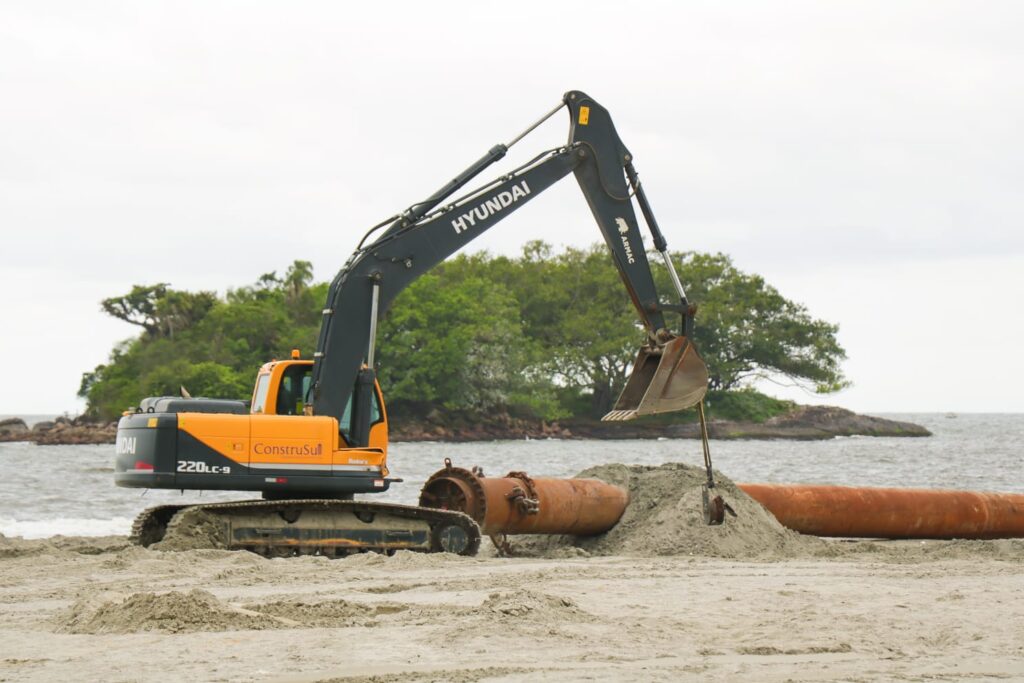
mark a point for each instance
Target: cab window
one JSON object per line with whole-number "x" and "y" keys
{"x": 259, "y": 398}
{"x": 345, "y": 424}
{"x": 294, "y": 389}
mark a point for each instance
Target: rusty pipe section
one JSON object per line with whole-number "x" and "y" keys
{"x": 857, "y": 512}
{"x": 520, "y": 504}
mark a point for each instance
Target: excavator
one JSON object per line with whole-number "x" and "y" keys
{"x": 316, "y": 430}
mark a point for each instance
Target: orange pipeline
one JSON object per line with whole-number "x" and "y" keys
{"x": 520, "y": 504}
{"x": 844, "y": 511}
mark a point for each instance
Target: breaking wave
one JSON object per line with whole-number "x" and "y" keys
{"x": 65, "y": 526}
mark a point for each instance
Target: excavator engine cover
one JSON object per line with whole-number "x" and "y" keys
{"x": 664, "y": 379}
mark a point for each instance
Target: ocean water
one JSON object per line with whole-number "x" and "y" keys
{"x": 50, "y": 490}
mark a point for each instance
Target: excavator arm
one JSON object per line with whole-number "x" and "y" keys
{"x": 668, "y": 374}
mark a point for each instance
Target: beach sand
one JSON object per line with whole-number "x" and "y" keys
{"x": 662, "y": 597}
{"x": 94, "y": 609}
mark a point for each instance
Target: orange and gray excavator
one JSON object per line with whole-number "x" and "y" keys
{"x": 316, "y": 431}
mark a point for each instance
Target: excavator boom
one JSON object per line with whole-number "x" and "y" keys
{"x": 669, "y": 374}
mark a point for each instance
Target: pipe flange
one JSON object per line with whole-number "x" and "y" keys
{"x": 455, "y": 488}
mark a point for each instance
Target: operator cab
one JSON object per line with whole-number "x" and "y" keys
{"x": 285, "y": 388}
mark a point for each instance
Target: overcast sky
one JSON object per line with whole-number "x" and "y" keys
{"x": 865, "y": 157}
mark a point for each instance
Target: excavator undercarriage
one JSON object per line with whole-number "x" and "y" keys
{"x": 284, "y": 528}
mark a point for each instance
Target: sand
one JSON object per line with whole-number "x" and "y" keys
{"x": 665, "y": 517}
{"x": 662, "y": 598}
{"x": 931, "y": 611}
{"x": 173, "y": 612}
{"x": 192, "y": 530}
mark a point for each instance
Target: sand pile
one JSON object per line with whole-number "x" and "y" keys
{"x": 502, "y": 614}
{"x": 527, "y": 604}
{"x": 83, "y": 545}
{"x": 192, "y": 529}
{"x": 326, "y": 613}
{"x": 174, "y": 612}
{"x": 665, "y": 517}
{"x": 199, "y": 610}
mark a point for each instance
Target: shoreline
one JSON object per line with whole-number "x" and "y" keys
{"x": 662, "y": 596}
{"x": 804, "y": 423}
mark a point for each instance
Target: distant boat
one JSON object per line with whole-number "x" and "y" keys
{"x": 951, "y": 415}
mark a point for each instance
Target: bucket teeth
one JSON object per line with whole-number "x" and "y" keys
{"x": 619, "y": 416}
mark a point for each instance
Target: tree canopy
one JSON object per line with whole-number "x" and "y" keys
{"x": 546, "y": 334}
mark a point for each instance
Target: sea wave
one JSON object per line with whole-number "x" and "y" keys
{"x": 65, "y": 526}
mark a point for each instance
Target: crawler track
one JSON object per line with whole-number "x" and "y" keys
{"x": 278, "y": 528}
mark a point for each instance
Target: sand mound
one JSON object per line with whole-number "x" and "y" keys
{"x": 527, "y": 604}
{"x": 665, "y": 517}
{"x": 19, "y": 547}
{"x": 326, "y": 613}
{"x": 90, "y": 545}
{"x": 83, "y": 545}
{"x": 198, "y": 610}
{"x": 503, "y": 613}
{"x": 174, "y": 612}
{"x": 124, "y": 558}
{"x": 192, "y": 529}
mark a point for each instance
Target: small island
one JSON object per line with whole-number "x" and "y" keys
{"x": 487, "y": 347}
{"x": 805, "y": 423}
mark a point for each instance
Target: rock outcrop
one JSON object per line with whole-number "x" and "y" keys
{"x": 13, "y": 429}
{"x": 62, "y": 431}
{"x": 803, "y": 423}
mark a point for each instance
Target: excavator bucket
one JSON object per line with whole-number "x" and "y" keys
{"x": 664, "y": 380}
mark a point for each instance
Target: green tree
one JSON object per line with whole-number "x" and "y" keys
{"x": 575, "y": 307}
{"x": 546, "y": 334}
{"x": 573, "y": 304}
{"x": 137, "y": 307}
{"x": 453, "y": 340}
{"x": 212, "y": 346}
{"x": 159, "y": 310}
{"x": 746, "y": 330}
{"x": 177, "y": 311}
{"x": 205, "y": 378}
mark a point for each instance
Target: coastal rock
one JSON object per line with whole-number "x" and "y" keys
{"x": 813, "y": 422}
{"x": 76, "y": 432}
{"x": 833, "y": 421}
{"x": 802, "y": 423}
{"x": 62, "y": 431}
{"x": 13, "y": 429}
